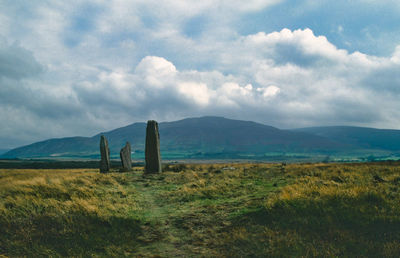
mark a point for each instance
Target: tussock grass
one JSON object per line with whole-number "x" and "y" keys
{"x": 68, "y": 213}
{"x": 329, "y": 210}
{"x": 212, "y": 210}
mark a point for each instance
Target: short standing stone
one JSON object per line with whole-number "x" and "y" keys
{"x": 105, "y": 155}
{"x": 152, "y": 148}
{"x": 125, "y": 155}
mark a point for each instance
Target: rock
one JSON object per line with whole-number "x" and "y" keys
{"x": 125, "y": 155}
{"x": 152, "y": 148}
{"x": 105, "y": 155}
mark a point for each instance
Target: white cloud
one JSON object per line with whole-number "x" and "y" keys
{"x": 303, "y": 41}
{"x": 396, "y": 55}
{"x": 156, "y": 71}
{"x": 234, "y": 90}
{"x": 269, "y": 91}
{"x": 197, "y": 92}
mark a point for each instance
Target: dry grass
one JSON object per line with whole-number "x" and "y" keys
{"x": 56, "y": 212}
{"x": 329, "y": 210}
{"x": 211, "y": 210}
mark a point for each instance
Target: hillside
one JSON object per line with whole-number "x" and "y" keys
{"x": 3, "y": 151}
{"x": 222, "y": 138}
{"x": 367, "y": 138}
{"x": 191, "y": 137}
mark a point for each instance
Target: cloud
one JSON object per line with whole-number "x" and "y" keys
{"x": 156, "y": 71}
{"x": 301, "y": 47}
{"x": 339, "y": 88}
{"x": 269, "y": 91}
{"x": 83, "y": 67}
{"x": 287, "y": 94}
{"x": 197, "y": 92}
{"x": 155, "y": 86}
{"x": 17, "y": 62}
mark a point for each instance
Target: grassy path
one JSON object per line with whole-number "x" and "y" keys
{"x": 183, "y": 215}
{"x": 159, "y": 232}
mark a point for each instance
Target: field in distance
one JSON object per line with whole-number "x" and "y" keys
{"x": 230, "y": 210}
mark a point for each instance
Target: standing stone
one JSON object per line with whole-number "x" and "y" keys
{"x": 105, "y": 155}
{"x": 125, "y": 155}
{"x": 152, "y": 149}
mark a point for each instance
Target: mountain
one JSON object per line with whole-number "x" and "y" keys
{"x": 362, "y": 137}
{"x": 3, "y": 151}
{"x": 204, "y": 137}
{"x": 218, "y": 137}
{"x": 54, "y": 148}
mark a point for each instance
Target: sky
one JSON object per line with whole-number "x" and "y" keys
{"x": 72, "y": 68}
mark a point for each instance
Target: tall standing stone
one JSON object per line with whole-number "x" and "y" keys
{"x": 105, "y": 155}
{"x": 125, "y": 155}
{"x": 152, "y": 149}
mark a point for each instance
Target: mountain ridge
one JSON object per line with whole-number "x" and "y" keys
{"x": 366, "y": 137}
{"x": 219, "y": 137}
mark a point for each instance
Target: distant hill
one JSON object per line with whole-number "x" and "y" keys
{"x": 204, "y": 137}
{"x": 222, "y": 138}
{"x": 3, "y": 151}
{"x": 362, "y": 137}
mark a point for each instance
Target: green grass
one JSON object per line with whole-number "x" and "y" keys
{"x": 229, "y": 210}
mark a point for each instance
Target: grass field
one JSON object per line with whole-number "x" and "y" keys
{"x": 229, "y": 210}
